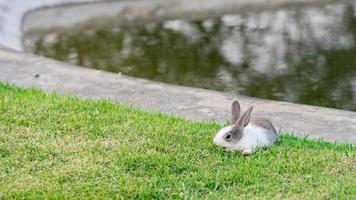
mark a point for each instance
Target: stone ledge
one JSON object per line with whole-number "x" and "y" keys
{"x": 190, "y": 103}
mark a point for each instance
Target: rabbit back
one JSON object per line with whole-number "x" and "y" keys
{"x": 258, "y": 133}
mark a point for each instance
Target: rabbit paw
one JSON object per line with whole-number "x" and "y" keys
{"x": 247, "y": 152}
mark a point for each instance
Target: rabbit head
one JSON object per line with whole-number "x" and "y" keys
{"x": 230, "y": 135}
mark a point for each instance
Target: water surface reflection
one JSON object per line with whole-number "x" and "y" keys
{"x": 299, "y": 55}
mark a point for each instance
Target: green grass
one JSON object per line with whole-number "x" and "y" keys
{"x": 63, "y": 147}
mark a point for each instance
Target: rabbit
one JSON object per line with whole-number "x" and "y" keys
{"x": 244, "y": 134}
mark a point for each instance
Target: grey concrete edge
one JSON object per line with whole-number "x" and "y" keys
{"x": 190, "y": 103}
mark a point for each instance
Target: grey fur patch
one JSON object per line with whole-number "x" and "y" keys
{"x": 236, "y": 135}
{"x": 266, "y": 124}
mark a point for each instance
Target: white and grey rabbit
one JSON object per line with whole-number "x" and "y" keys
{"x": 246, "y": 134}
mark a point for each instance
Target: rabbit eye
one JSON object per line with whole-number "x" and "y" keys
{"x": 228, "y": 137}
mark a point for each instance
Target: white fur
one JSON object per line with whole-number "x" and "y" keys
{"x": 219, "y": 138}
{"x": 253, "y": 137}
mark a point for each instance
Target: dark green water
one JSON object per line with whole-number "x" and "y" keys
{"x": 306, "y": 56}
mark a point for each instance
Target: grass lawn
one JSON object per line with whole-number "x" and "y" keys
{"x": 63, "y": 147}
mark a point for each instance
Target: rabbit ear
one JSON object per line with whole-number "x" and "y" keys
{"x": 245, "y": 118}
{"x": 235, "y": 111}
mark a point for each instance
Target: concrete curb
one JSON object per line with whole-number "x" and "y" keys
{"x": 190, "y": 103}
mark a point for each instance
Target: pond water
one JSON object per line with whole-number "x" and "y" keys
{"x": 303, "y": 55}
